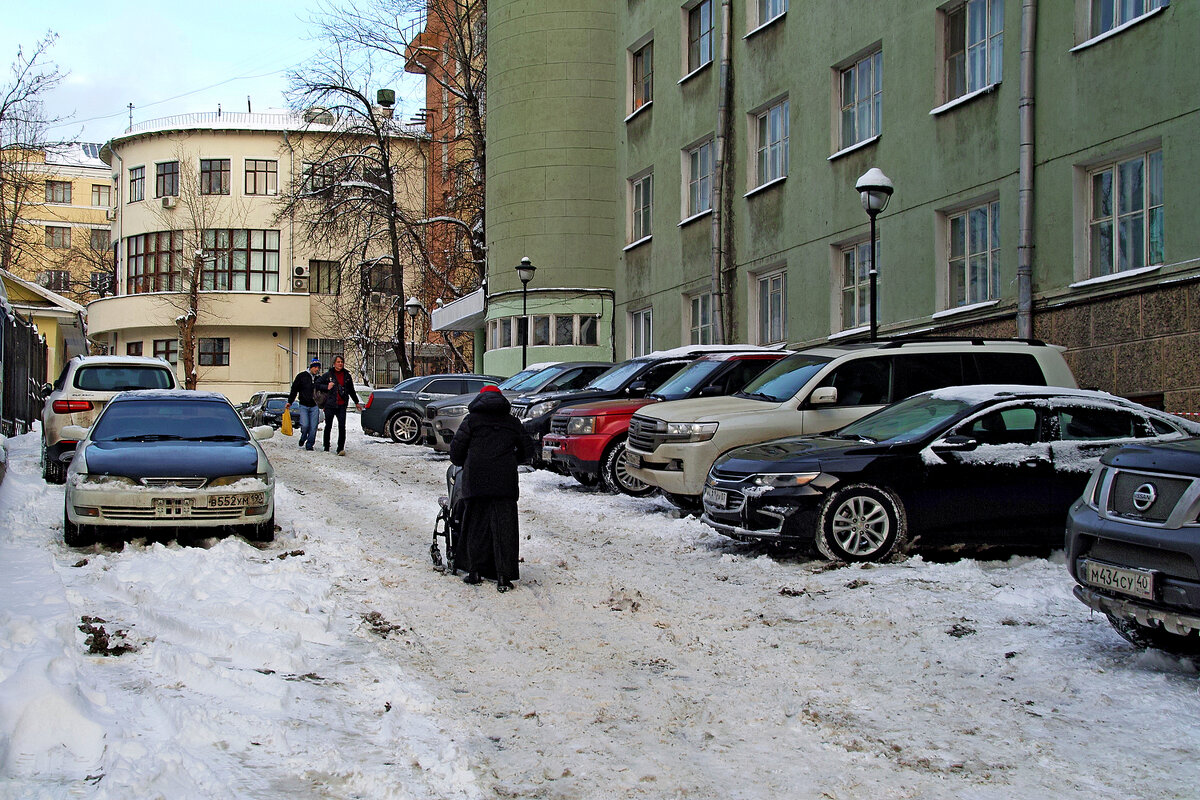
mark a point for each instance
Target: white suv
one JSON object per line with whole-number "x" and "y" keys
{"x": 672, "y": 445}
{"x": 85, "y": 385}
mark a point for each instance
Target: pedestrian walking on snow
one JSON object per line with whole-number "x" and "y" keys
{"x": 489, "y": 445}
{"x": 307, "y": 412}
{"x": 340, "y": 387}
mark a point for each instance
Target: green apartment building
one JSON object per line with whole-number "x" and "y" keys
{"x": 686, "y": 173}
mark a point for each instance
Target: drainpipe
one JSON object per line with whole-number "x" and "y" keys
{"x": 1025, "y": 174}
{"x": 718, "y": 185}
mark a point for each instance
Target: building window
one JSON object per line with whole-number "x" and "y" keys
{"x": 641, "y": 192}
{"x": 382, "y": 366}
{"x": 241, "y": 260}
{"x": 770, "y": 9}
{"x": 772, "y": 308}
{"x": 214, "y": 176}
{"x": 98, "y": 239}
{"x": 167, "y": 350}
{"x": 58, "y": 192}
{"x": 641, "y": 332}
{"x": 771, "y": 143}
{"x": 699, "y": 178}
{"x": 1109, "y": 14}
{"x": 166, "y": 179}
{"x": 1126, "y": 215}
{"x": 589, "y": 327}
{"x": 856, "y": 285}
{"x": 541, "y": 331}
{"x": 137, "y": 184}
{"x": 317, "y": 179}
{"x": 974, "y": 42}
{"x": 261, "y": 176}
{"x": 100, "y": 282}
{"x": 101, "y": 195}
{"x": 153, "y": 262}
{"x": 133, "y": 348}
{"x": 975, "y": 255}
{"x": 701, "y": 319}
{"x": 56, "y": 280}
{"x": 700, "y": 35}
{"x": 643, "y": 76}
{"x": 324, "y": 350}
{"x": 324, "y": 277}
{"x": 862, "y": 99}
{"x": 58, "y": 237}
{"x": 214, "y": 352}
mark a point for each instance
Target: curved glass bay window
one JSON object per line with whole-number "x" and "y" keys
{"x": 245, "y": 260}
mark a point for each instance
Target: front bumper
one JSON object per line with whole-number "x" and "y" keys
{"x": 1146, "y": 615}
{"x": 570, "y": 453}
{"x": 123, "y": 506}
{"x": 746, "y": 514}
{"x": 675, "y": 468}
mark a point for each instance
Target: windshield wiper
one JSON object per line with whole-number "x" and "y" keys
{"x": 218, "y": 437}
{"x": 759, "y": 396}
{"x": 856, "y": 437}
{"x": 148, "y": 437}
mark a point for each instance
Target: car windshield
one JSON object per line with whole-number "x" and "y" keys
{"x": 113, "y": 378}
{"x": 616, "y": 377}
{"x": 781, "y": 380}
{"x": 276, "y": 403}
{"x": 687, "y": 380}
{"x": 157, "y": 419}
{"x": 907, "y": 420}
{"x": 525, "y": 379}
{"x": 410, "y": 383}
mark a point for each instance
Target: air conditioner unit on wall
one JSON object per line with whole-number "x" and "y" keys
{"x": 299, "y": 271}
{"x": 110, "y": 214}
{"x": 299, "y": 284}
{"x": 169, "y": 202}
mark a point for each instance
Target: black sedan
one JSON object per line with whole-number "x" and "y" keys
{"x": 265, "y": 408}
{"x": 982, "y": 465}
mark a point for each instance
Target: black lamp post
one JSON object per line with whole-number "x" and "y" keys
{"x": 875, "y": 189}
{"x": 413, "y": 307}
{"x": 525, "y": 272}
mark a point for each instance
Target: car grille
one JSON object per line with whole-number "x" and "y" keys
{"x": 142, "y": 512}
{"x": 1125, "y": 484}
{"x": 520, "y": 411}
{"x": 1131, "y": 555}
{"x": 558, "y": 424}
{"x": 644, "y": 434}
{"x": 181, "y": 483}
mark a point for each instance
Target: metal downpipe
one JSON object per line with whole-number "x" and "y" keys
{"x": 1025, "y": 173}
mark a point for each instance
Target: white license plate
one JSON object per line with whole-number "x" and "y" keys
{"x": 236, "y": 500}
{"x": 168, "y": 507}
{"x": 633, "y": 460}
{"x": 715, "y": 497}
{"x": 548, "y": 453}
{"x": 1133, "y": 582}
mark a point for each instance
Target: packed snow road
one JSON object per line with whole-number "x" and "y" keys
{"x": 640, "y": 656}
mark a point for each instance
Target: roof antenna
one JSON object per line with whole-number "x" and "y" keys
{"x": 248, "y": 111}
{"x": 218, "y": 110}
{"x": 131, "y": 115}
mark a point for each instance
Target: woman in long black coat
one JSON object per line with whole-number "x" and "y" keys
{"x": 489, "y": 445}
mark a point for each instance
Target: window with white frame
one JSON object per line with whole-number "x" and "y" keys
{"x": 699, "y": 162}
{"x": 699, "y": 35}
{"x": 641, "y": 332}
{"x": 643, "y": 75}
{"x": 768, "y": 10}
{"x": 857, "y": 259}
{"x": 1109, "y": 14}
{"x": 641, "y": 191}
{"x": 700, "y": 320}
{"x": 771, "y": 300}
{"x": 974, "y": 264}
{"x": 973, "y": 45}
{"x": 549, "y": 329}
{"x": 1125, "y": 217}
{"x": 771, "y": 143}
{"x": 862, "y": 99}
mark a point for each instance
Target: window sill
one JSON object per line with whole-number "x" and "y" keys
{"x": 694, "y": 72}
{"x": 639, "y": 110}
{"x": 1119, "y": 29}
{"x": 966, "y": 98}
{"x": 1116, "y": 276}
{"x": 856, "y": 146}
{"x": 954, "y": 312}
{"x": 765, "y": 186}
{"x": 765, "y": 25}
{"x": 706, "y": 212}
{"x": 638, "y": 243}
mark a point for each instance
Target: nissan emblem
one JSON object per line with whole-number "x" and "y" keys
{"x": 1144, "y": 496}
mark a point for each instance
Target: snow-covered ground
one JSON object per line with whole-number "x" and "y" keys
{"x": 640, "y": 656}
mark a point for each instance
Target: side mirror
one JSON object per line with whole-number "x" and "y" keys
{"x": 74, "y": 432}
{"x": 636, "y": 389}
{"x": 261, "y": 432}
{"x": 823, "y": 396}
{"x": 711, "y": 391}
{"x": 954, "y": 444}
{"x": 47, "y": 388}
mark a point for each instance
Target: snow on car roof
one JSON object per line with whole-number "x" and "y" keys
{"x": 691, "y": 349}
{"x": 169, "y": 394}
{"x": 986, "y": 391}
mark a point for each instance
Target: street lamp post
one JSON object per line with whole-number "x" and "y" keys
{"x": 525, "y": 272}
{"x": 413, "y": 307}
{"x": 875, "y": 189}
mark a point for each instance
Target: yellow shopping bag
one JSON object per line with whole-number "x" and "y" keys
{"x": 286, "y": 425}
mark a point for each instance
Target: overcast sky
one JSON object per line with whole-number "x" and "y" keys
{"x": 164, "y": 57}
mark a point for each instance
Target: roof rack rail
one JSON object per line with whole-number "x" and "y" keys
{"x": 977, "y": 340}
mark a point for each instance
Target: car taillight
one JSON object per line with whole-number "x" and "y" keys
{"x": 71, "y": 406}
{"x": 370, "y": 397}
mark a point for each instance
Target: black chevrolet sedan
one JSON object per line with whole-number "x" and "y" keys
{"x": 982, "y": 465}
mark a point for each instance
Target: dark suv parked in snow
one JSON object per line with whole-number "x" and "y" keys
{"x": 1133, "y": 544}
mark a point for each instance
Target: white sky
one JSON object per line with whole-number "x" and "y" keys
{"x": 165, "y": 58}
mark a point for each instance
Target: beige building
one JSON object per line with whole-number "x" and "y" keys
{"x": 211, "y": 199}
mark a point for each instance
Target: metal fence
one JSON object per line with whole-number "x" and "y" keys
{"x": 22, "y": 373}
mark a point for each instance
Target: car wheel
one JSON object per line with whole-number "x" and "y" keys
{"x": 862, "y": 523}
{"x": 404, "y": 427}
{"x": 52, "y": 471}
{"x": 262, "y": 532}
{"x": 617, "y": 476}
{"x": 76, "y": 535}
{"x": 1144, "y": 637}
{"x": 684, "y": 502}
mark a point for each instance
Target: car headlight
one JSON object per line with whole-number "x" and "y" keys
{"x": 581, "y": 425}
{"x": 691, "y": 431}
{"x": 90, "y": 481}
{"x": 229, "y": 480}
{"x": 541, "y": 409}
{"x": 781, "y": 480}
{"x": 454, "y": 411}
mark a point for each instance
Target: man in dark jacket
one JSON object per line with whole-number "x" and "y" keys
{"x": 340, "y": 386}
{"x": 489, "y": 445}
{"x": 307, "y": 412}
